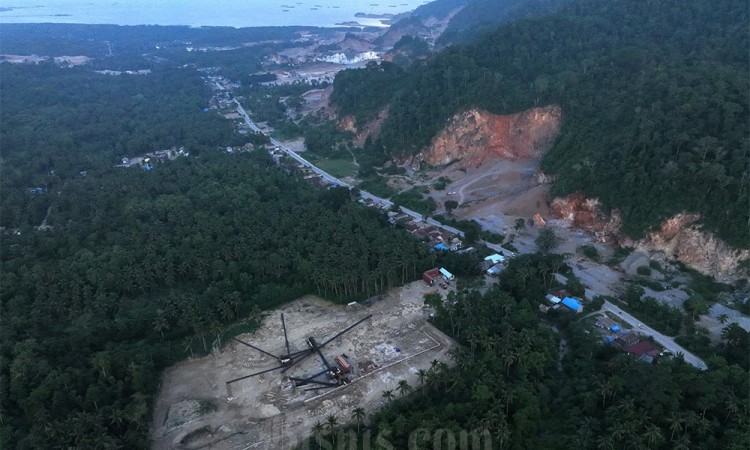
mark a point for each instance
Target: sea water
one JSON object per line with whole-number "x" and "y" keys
{"x": 233, "y": 13}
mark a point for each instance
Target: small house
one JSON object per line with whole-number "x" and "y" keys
{"x": 553, "y": 299}
{"x": 431, "y": 276}
{"x": 441, "y": 247}
{"x": 643, "y": 348}
{"x": 627, "y": 339}
{"x": 495, "y": 258}
{"x": 495, "y": 269}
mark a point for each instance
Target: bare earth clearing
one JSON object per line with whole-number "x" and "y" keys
{"x": 498, "y": 192}
{"x": 195, "y": 409}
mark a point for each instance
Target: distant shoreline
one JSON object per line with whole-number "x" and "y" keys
{"x": 192, "y": 13}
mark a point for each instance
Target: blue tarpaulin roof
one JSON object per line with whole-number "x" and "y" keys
{"x": 571, "y": 303}
{"x": 614, "y": 328}
{"x": 441, "y": 247}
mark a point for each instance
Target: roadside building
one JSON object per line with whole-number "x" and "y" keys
{"x": 447, "y": 275}
{"x": 553, "y": 299}
{"x": 560, "y": 278}
{"x": 573, "y": 304}
{"x": 495, "y": 269}
{"x": 495, "y": 258}
{"x": 627, "y": 339}
{"x": 431, "y": 276}
{"x": 643, "y": 348}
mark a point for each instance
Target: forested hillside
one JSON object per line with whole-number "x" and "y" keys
{"x": 438, "y": 8}
{"x": 482, "y": 16}
{"x": 143, "y": 268}
{"x": 654, "y": 98}
{"x": 516, "y": 387}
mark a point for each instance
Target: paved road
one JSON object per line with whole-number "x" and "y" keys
{"x": 335, "y": 181}
{"x": 665, "y": 341}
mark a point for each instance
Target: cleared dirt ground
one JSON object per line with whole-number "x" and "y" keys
{"x": 196, "y": 409}
{"x": 498, "y": 192}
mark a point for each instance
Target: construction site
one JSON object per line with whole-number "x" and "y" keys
{"x": 308, "y": 360}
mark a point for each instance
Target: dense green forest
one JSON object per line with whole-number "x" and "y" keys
{"x": 143, "y": 268}
{"x": 654, "y": 98}
{"x": 514, "y": 381}
{"x": 58, "y": 122}
{"x": 137, "y": 269}
{"x": 380, "y": 81}
{"x": 483, "y": 16}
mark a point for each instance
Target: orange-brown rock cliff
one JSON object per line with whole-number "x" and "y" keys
{"x": 474, "y": 136}
{"x": 680, "y": 237}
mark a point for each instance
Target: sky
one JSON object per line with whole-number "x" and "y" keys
{"x": 234, "y": 13}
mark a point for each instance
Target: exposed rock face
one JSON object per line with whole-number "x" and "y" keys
{"x": 363, "y": 131}
{"x": 411, "y": 26}
{"x": 474, "y": 136}
{"x": 348, "y": 123}
{"x": 586, "y": 214}
{"x": 685, "y": 240}
{"x": 680, "y": 238}
{"x": 543, "y": 178}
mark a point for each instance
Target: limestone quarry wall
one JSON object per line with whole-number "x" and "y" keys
{"x": 474, "y": 136}
{"x": 680, "y": 237}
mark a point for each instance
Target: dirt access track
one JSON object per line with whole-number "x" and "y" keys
{"x": 196, "y": 408}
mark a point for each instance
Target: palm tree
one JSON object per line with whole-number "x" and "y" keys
{"x": 117, "y": 417}
{"x": 502, "y": 433}
{"x": 723, "y": 318}
{"x": 732, "y": 405}
{"x": 605, "y": 443}
{"x": 653, "y": 436}
{"x": 318, "y": 433}
{"x": 359, "y": 416}
{"x": 403, "y": 388}
{"x": 388, "y": 395}
{"x": 331, "y": 423}
{"x": 421, "y": 375}
{"x": 675, "y": 424}
{"x": 683, "y": 443}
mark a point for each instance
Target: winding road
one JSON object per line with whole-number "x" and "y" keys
{"x": 665, "y": 341}
{"x": 337, "y": 182}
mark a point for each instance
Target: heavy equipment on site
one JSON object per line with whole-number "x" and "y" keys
{"x": 331, "y": 376}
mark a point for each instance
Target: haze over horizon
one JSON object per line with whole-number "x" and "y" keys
{"x": 232, "y": 13}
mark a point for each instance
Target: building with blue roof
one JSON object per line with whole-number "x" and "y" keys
{"x": 573, "y": 304}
